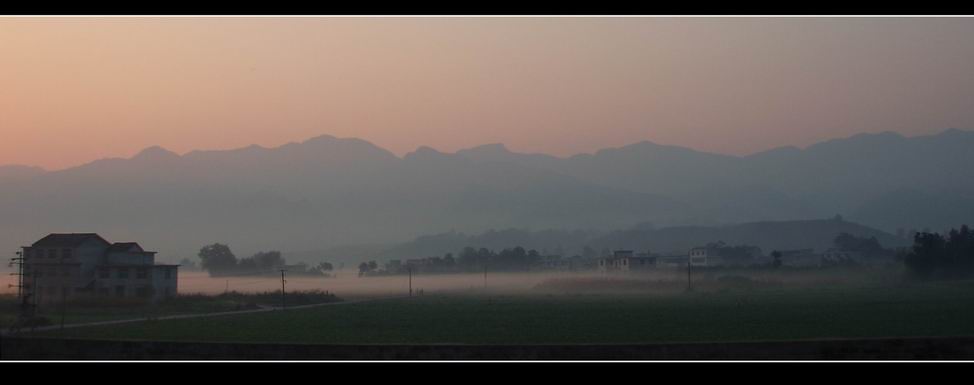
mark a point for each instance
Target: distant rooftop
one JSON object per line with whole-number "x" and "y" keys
{"x": 67, "y": 240}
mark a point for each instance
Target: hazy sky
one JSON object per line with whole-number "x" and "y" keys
{"x": 77, "y": 89}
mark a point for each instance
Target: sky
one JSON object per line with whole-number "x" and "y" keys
{"x": 78, "y": 89}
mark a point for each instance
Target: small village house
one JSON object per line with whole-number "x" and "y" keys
{"x": 705, "y": 256}
{"x": 71, "y": 265}
{"x": 626, "y": 260}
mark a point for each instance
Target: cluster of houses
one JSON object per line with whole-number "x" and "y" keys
{"x": 713, "y": 255}
{"x": 67, "y": 266}
{"x": 629, "y": 260}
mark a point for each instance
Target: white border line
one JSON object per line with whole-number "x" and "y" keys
{"x": 493, "y": 16}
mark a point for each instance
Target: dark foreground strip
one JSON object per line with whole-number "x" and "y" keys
{"x": 939, "y": 348}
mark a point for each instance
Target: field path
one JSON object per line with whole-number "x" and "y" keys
{"x": 262, "y": 309}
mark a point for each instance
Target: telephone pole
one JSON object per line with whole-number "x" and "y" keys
{"x": 64, "y": 293}
{"x": 19, "y": 261}
{"x": 33, "y": 292}
{"x": 283, "y": 301}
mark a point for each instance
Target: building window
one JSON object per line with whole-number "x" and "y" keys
{"x": 168, "y": 273}
{"x": 66, "y": 253}
{"x": 104, "y": 273}
{"x": 123, "y": 272}
{"x": 52, "y": 253}
{"x": 140, "y": 273}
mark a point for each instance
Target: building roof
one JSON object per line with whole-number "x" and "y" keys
{"x": 67, "y": 240}
{"x": 121, "y": 247}
{"x": 53, "y": 264}
{"x": 134, "y": 265}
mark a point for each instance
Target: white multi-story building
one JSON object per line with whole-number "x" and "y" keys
{"x": 705, "y": 256}
{"x": 64, "y": 266}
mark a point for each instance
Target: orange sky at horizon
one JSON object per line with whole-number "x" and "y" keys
{"x": 77, "y": 89}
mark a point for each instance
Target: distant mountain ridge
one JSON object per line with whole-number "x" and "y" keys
{"x": 327, "y": 191}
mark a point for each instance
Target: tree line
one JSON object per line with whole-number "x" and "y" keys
{"x": 942, "y": 256}
{"x": 467, "y": 260}
{"x": 219, "y": 260}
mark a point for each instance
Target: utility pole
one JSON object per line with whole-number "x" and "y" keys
{"x": 64, "y": 293}
{"x": 19, "y": 261}
{"x": 283, "y": 302}
{"x": 33, "y": 292}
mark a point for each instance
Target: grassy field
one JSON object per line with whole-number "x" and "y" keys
{"x": 916, "y": 309}
{"x": 94, "y": 310}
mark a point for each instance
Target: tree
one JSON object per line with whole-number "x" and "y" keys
{"x": 468, "y": 256}
{"x": 217, "y": 258}
{"x": 936, "y": 256}
{"x": 270, "y": 260}
{"x": 363, "y": 268}
{"x": 247, "y": 264}
{"x": 322, "y": 268}
{"x": 777, "y": 258}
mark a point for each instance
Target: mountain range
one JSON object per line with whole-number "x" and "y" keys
{"x": 328, "y": 191}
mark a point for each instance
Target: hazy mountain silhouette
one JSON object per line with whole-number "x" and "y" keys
{"x": 301, "y": 196}
{"x": 16, "y": 170}
{"x": 852, "y": 175}
{"x": 329, "y": 191}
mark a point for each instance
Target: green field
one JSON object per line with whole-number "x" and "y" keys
{"x": 917, "y": 309}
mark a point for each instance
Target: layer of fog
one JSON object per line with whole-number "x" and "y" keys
{"x": 348, "y": 285}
